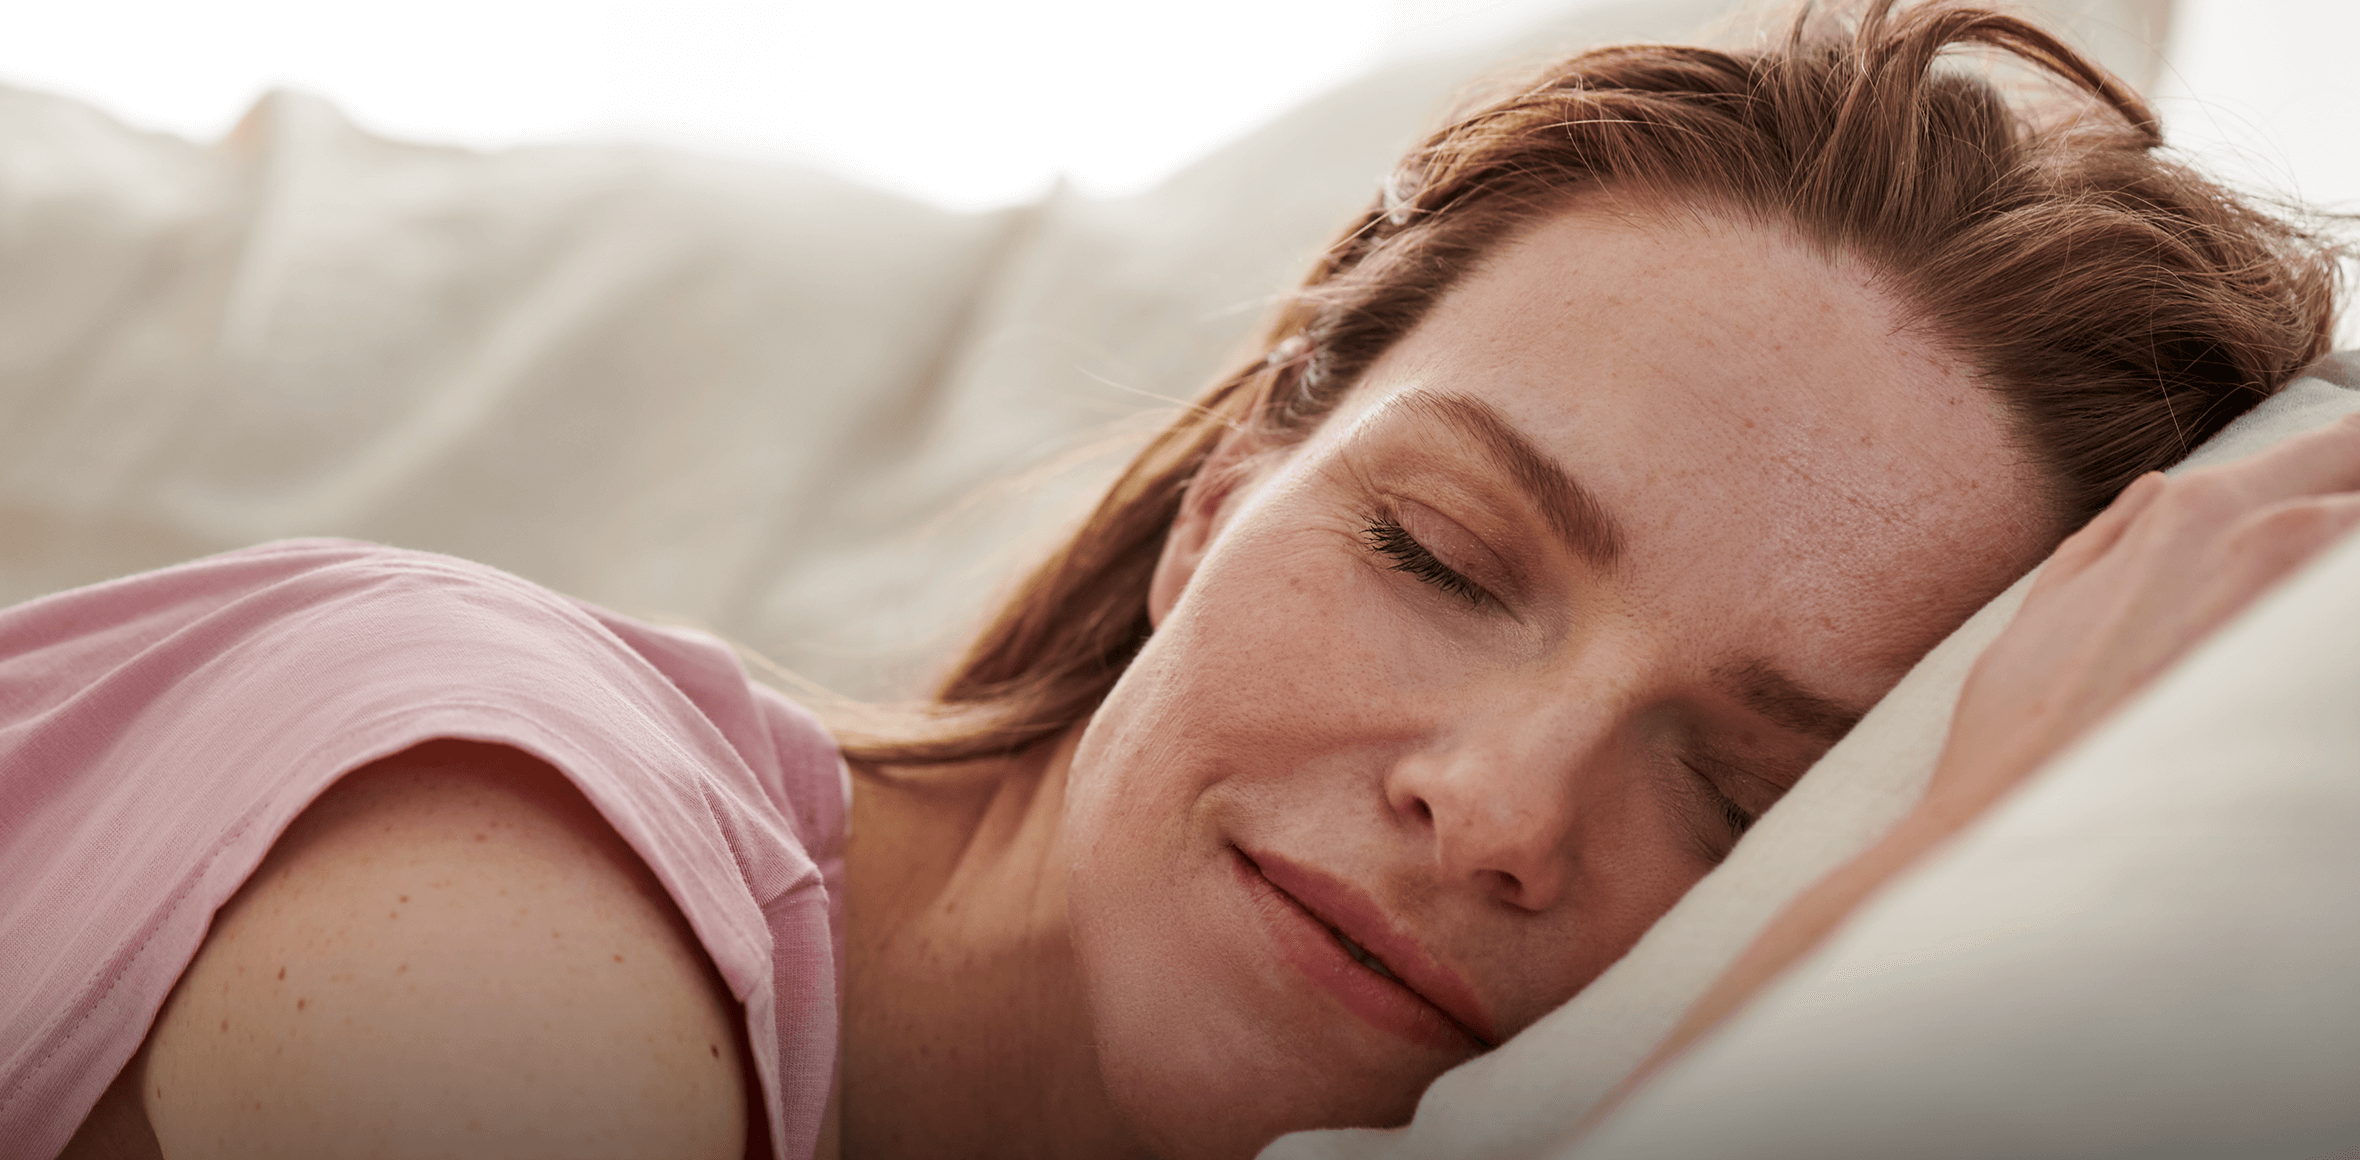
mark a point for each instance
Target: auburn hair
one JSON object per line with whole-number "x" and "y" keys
{"x": 2123, "y": 306}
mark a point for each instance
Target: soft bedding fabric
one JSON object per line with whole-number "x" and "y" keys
{"x": 158, "y": 733}
{"x": 1523, "y": 1099}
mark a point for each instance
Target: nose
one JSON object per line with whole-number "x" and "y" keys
{"x": 1499, "y": 807}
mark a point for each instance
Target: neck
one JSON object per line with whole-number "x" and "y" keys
{"x": 965, "y": 1031}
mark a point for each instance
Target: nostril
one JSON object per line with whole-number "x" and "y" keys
{"x": 1425, "y": 811}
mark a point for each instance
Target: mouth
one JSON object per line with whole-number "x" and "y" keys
{"x": 1394, "y": 985}
{"x": 1360, "y": 954}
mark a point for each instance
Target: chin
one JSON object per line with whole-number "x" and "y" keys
{"x": 1208, "y": 1057}
{"x": 1182, "y": 1113}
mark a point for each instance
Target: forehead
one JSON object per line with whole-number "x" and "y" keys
{"x": 1778, "y": 442}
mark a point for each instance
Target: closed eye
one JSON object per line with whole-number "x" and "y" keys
{"x": 1728, "y": 820}
{"x": 1738, "y": 820}
{"x": 1389, "y": 539}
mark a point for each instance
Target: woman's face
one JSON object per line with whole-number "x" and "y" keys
{"x": 1484, "y": 674}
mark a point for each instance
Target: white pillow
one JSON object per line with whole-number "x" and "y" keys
{"x": 1529, "y": 1093}
{"x": 654, "y": 380}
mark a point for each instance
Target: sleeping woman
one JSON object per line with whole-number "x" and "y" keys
{"x": 1645, "y": 431}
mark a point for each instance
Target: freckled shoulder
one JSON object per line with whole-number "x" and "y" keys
{"x": 449, "y": 953}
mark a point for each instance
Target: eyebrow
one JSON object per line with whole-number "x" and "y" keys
{"x": 1785, "y": 702}
{"x": 1572, "y": 511}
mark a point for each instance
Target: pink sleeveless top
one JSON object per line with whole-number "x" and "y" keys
{"x": 157, "y": 733}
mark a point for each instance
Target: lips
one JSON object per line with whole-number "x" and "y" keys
{"x": 1339, "y": 937}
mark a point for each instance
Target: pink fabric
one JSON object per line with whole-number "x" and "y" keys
{"x": 158, "y": 733}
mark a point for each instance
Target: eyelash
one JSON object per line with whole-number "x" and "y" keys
{"x": 1731, "y": 814}
{"x": 1388, "y": 538}
{"x": 1739, "y": 820}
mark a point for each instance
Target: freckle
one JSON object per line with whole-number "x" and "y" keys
{"x": 715, "y": 1048}
{"x": 282, "y": 974}
{"x": 405, "y": 898}
{"x": 402, "y": 969}
{"x": 393, "y": 914}
{"x": 225, "y": 1025}
{"x": 618, "y": 958}
{"x": 480, "y": 838}
{"x": 298, "y": 1006}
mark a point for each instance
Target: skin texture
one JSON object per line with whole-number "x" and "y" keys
{"x": 2120, "y": 601}
{"x": 964, "y": 1032}
{"x": 448, "y": 954}
{"x": 1514, "y": 782}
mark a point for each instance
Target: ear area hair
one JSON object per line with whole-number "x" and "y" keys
{"x": 1235, "y": 463}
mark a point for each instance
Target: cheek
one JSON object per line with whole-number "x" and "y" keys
{"x": 1264, "y": 665}
{"x": 1280, "y": 638}
{"x": 1264, "y": 684}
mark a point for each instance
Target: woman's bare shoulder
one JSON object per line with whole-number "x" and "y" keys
{"x": 449, "y": 952}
